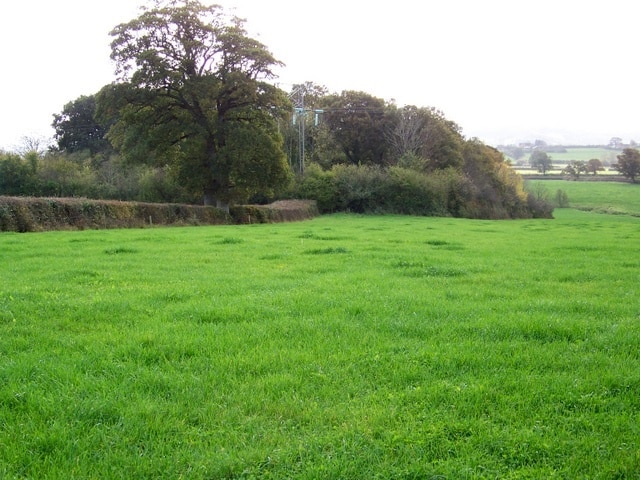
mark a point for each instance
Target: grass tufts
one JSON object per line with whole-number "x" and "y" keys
{"x": 422, "y": 269}
{"x": 378, "y": 356}
{"x": 120, "y": 250}
{"x": 230, "y": 241}
{"x": 326, "y": 251}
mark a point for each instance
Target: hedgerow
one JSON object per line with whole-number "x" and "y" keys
{"x": 492, "y": 193}
{"x": 28, "y": 214}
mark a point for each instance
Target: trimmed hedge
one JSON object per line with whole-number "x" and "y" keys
{"x": 280, "y": 211}
{"x": 28, "y": 214}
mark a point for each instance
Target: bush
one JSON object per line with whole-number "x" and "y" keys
{"x": 539, "y": 208}
{"x": 360, "y": 188}
{"x": 495, "y": 192}
{"x": 562, "y": 199}
{"x": 414, "y": 193}
{"x": 319, "y": 185}
{"x": 16, "y": 175}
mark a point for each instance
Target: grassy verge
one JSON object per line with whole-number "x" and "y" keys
{"x": 340, "y": 347}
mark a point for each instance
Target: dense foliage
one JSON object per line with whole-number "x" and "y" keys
{"x": 77, "y": 129}
{"x": 192, "y": 117}
{"x": 541, "y": 160}
{"x": 192, "y": 95}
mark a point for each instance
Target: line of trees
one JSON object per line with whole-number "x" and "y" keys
{"x": 193, "y": 118}
{"x": 628, "y": 164}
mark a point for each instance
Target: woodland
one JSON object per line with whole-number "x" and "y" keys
{"x": 194, "y": 117}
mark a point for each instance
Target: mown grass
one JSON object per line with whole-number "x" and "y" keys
{"x": 341, "y": 347}
{"x": 601, "y": 197}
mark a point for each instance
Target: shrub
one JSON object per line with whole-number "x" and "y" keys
{"x": 319, "y": 185}
{"x": 539, "y": 208}
{"x": 360, "y": 188}
{"x": 489, "y": 190}
{"x": 562, "y": 199}
{"x": 16, "y": 175}
{"x": 414, "y": 193}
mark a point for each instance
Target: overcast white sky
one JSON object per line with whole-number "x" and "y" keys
{"x": 504, "y": 70}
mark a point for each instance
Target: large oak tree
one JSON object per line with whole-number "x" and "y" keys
{"x": 193, "y": 94}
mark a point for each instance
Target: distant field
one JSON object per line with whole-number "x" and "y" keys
{"x": 560, "y": 159}
{"x": 607, "y": 156}
{"x": 345, "y": 347}
{"x": 604, "y": 197}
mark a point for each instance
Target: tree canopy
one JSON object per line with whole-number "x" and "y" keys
{"x": 358, "y": 123}
{"x": 192, "y": 89}
{"x": 594, "y": 165}
{"x": 541, "y": 160}
{"x": 575, "y": 168}
{"x": 629, "y": 164}
{"x": 76, "y": 128}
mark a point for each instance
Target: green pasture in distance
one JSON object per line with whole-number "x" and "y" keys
{"x": 604, "y": 197}
{"x": 605, "y": 155}
{"x": 342, "y": 347}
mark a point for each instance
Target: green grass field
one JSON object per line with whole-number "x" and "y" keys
{"x": 602, "y": 197}
{"x": 605, "y": 155}
{"x": 342, "y": 347}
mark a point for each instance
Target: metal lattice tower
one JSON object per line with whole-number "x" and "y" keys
{"x": 299, "y": 114}
{"x": 300, "y": 118}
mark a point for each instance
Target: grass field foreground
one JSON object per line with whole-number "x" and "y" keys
{"x": 340, "y": 347}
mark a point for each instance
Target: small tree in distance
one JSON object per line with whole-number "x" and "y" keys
{"x": 629, "y": 164}
{"x": 574, "y": 169}
{"x": 594, "y": 166}
{"x": 541, "y": 160}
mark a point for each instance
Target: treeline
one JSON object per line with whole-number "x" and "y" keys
{"x": 349, "y": 152}
{"x": 83, "y": 174}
